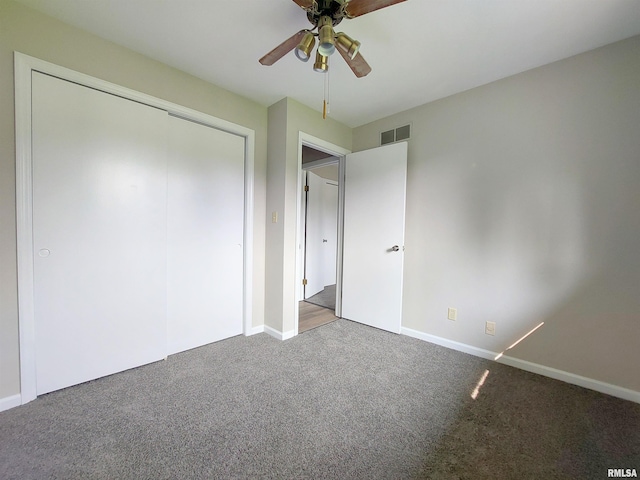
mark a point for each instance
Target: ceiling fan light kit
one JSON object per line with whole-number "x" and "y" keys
{"x": 305, "y": 47}
{"x": 326, "y": 36}
{"x": 322, "y": 63}
{"x": 347, "y": 44}
{"x": 324, "y": 15}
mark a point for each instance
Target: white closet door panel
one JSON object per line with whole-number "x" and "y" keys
{"x": 205, "y": 234}
{"x": 99, "y": 210}
{"x": 330, "y": 229}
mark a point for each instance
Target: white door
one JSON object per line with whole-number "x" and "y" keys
{"x": 329, "y": 231}
{"x": 374, "y": 211}
{"x": 205, "y": 217}
{"x": 99, "y": 230}
{"x": 314, "y": 258}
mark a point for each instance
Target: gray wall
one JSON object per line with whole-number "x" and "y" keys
{"x": 523, "y": 206}
{"x": 32, "y": 33}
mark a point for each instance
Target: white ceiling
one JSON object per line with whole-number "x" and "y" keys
{"x": 420, "y": 50}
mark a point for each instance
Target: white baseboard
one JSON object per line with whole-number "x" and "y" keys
{"x": 10, "y": 402}
{"x": 278, "y": 334}
{"x": 443, "y": 342}
{"x": 567, "y": 377}
{"x": 255, "y": 330}
{"x": 288, "y": 335}
{"x": 273, "y": 332}
{"x": 590, "y": 383}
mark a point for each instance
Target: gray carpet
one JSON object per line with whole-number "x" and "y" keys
{"x": 326, "y": 298}
{"x": 342, "y": 401}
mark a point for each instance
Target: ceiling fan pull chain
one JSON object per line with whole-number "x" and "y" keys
{"x": 326, "y": 107}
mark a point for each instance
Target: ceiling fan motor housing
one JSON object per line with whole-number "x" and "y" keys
{"x": 330, "y": 8}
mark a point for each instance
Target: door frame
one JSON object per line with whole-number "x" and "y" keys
{"x": 24, "y": 65}
{"x": 340, "y": 152}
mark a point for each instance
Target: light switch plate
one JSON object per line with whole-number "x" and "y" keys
{"x": 490, "y": 328}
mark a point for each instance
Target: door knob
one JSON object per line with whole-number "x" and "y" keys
{"x": 395, "y": 248}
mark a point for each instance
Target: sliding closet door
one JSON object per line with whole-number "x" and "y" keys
{"x": 99, "y": 223}
{"x": 205, "y": 234}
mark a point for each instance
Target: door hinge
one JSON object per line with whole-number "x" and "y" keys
{"x": 306, "y": 188}
{"x": 304, "y": 281}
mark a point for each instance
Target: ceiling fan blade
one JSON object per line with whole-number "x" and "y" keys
{"x": 281, "y": 50}
{"x": 358, "y": 64}
{"x": 355, "y": 8}
{"x": 306, "y": 4}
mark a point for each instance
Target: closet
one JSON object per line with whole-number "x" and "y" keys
{"x": 138, "y": 230}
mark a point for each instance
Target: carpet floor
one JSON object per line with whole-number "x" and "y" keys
{"x": 339, "y": 402}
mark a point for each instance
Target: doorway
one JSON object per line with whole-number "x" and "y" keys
{"x": 370, "y": 253}
{"x": 319, "y": 234}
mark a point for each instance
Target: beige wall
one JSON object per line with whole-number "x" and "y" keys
{"x": 275, "y": 232}
{"x": 523, "y": 206}
{"x": 32, "y": 33}
{"x": 286, "y": 119}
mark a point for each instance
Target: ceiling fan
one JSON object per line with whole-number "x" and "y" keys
{"x": 324, "y": 15}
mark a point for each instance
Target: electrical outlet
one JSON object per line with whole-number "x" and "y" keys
{"x": 490, "y": 328}
{"x": 452, "y": 313}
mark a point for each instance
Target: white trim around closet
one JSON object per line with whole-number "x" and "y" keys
{"x": 24, "y": 66}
